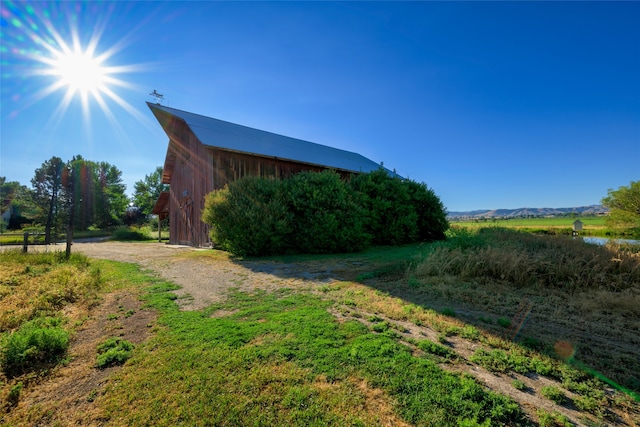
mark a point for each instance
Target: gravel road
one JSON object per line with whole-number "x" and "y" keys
{"x": 206, "y": 280}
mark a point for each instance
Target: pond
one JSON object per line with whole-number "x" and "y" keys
{"x": 604, "y": 240}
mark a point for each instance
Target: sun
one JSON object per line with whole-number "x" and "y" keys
{"x": 80, "y": 72}
{"x": 61, "y": 47}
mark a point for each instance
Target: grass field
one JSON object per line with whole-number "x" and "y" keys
{"x": 592, "y": 226}
{"x": 595, "y": 222}
{"x": 409, "y": 336}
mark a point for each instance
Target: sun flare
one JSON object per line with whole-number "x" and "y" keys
{"x": 67, "y": 55}
{"x": 80, "y": 72}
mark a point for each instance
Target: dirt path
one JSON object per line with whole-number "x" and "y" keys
{"x": 204, "y": 281}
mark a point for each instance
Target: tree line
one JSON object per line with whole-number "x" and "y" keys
{"x": 91, "y": 195}
{"x": 80, "y": 193}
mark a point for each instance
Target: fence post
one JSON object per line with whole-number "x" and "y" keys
{"x": 69, "y": 240}
{"x": 25, "y": 242}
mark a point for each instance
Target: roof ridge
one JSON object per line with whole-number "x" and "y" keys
{"x": 252, "y": 128}
{"x": 227, "y": 135}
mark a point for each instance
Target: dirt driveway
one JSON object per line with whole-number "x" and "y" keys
{"x": 203, "y": 280}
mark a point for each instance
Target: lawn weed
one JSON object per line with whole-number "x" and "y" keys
{"x": 518, "y": 385}
{"x": 114, "y": 351}
{"x": 554, "y": 394}
{"x": 38, "y": 342}
{"x": 552, "y": 419}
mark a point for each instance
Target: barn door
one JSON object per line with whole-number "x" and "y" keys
{"x": 186, "y": 222}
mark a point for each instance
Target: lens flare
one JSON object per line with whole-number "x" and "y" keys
{"x": 564, "y": 350}
{"x": 46, "y": 51}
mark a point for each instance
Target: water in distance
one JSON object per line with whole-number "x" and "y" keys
{"x": 604, "y": 240}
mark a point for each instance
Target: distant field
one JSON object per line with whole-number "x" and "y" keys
{"x": 589, "y": 223}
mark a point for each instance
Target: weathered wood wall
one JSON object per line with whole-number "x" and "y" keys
{"x": 229, "y": 166}
{"x": 190, "y": 183}
{"x": 196, "y": 170}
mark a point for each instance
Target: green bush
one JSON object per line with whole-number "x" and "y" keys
{"x": 249, "y": 217}
{"x": 114, "y": 351}
{"x": 326, "y": 218}
{"x": 317, "y": 212}
{"x": 399, "y": 211}
{"x": 390, "y": 218}
{"x": 132, "y": 233}
{"x": 36, "y": 342}
{"x": 431, "y": 214}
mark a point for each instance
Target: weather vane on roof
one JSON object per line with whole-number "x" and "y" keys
{"x": 157, "y": 97}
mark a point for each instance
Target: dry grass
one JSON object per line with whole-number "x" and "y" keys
{"x": 525, "y": 260}
{"x": 39, "y": 286}
{"x": 372, "y": 404}
{"x": 42, "y": 284}
{"x": 585, "y": 295}
{"x": 65, "y": 395}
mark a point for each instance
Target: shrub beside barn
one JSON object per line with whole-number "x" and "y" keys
{"x": 317, "y": 212}
{"x": 275, "y": 194}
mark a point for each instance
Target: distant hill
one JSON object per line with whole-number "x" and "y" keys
{"x": 528, "y": 212}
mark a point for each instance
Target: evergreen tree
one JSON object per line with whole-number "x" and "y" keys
{"x": 100, "y": 198}
{"x": 111, "y": 200}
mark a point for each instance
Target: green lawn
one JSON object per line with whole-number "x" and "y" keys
{"x": 282, "y": 359}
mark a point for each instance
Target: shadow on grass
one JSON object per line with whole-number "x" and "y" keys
{"x": 593, "y": 322}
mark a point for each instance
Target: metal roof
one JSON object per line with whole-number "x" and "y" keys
{"x": 233, "y": 137}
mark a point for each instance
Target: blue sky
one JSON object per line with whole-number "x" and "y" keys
{"x": 492, "y": 104}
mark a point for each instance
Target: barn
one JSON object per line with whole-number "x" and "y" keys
{"x": 204, "y": 154}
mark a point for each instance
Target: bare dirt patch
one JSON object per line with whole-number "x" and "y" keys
{"x": 202, "y": 280}
{"x": 66, "y": 395}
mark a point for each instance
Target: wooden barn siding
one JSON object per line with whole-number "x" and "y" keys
{"x": 230, "y": 166}
{"x": 190, "y": 182}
